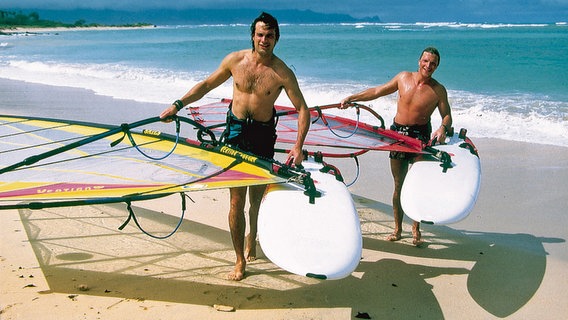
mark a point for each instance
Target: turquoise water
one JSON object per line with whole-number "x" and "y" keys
{"x": 505, "y": 81}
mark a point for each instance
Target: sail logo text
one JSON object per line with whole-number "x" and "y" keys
{"x": 235, "y": 153}
{"x": 68, "y": 189}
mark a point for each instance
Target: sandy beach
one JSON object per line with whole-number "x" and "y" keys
{"x": 508, "y": 259}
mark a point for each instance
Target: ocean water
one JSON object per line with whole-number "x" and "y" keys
{"x": 504, "y": 81}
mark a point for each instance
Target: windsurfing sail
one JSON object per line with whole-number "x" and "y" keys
{"x": 49, "y": 163}
{"x": 339, "y": 137}
{"x": 347, "y": 137}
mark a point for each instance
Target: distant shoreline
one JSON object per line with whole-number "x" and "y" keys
{"x": 30, "y": 29}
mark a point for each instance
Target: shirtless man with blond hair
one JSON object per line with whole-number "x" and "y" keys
{"x": 419, "y": 95}
{"x": 259, "y": 77}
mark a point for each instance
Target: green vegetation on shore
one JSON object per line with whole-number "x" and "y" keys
{"x": 13, "y": 20}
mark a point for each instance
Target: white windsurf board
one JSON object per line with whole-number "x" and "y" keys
{"x": 320, "y": 240}
{"x": 431, "y": 195}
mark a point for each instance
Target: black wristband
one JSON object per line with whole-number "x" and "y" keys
{"x": 178, "y": 104}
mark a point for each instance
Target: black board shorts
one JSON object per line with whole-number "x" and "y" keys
{"x": 421, "y": 132}
{"x": 250, "y": 135}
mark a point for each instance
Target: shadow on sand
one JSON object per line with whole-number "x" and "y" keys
{"x": 82, "y": 246}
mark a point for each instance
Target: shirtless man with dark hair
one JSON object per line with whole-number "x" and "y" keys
{"x": 259, "y": 77}
{"x": 419, "y": 95}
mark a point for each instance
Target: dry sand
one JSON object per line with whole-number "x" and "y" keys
{"x": 508, "y": 259}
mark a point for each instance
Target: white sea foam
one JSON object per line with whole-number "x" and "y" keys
{"x": 478, "y": 25}
{"x": 449, "y": 24}
{"x": 519, "y": 118}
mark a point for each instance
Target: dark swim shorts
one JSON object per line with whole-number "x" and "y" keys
{"x": 250, "y": 135}
{"x": 421, "y": 132}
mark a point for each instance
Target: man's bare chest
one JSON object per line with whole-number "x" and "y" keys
{"x": 419, "y": 97}
{"x": 257, "y": 82}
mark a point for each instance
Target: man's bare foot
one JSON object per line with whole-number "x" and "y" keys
{"x": 250, "y": 248}
{"x": 238, "y": 274}
{"x": 417, "y": 238}
{"x": 395, "y": 236}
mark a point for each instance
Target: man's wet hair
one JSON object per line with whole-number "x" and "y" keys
{"x": 431, "y": 50}
{"x": 269, "y": 21}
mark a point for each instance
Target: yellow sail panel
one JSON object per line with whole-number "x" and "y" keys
{"x": 47, "y": 160}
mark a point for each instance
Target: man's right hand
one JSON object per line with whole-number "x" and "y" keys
{"x": 168, "y": 114}
{"x": 345, "y": 103}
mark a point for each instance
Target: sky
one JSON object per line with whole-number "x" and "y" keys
{"x": 508, "y": 11}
